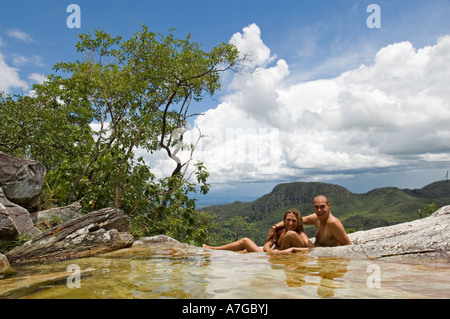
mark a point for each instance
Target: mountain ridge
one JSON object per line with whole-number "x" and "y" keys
{"x": 376, "y": 208}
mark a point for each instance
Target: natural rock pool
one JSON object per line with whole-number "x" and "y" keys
{"x": 174, "y": 270}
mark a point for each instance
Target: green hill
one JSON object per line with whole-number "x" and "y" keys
{"x": 379, "y": 207}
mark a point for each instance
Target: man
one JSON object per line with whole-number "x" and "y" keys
{"x": 330, "y": 231}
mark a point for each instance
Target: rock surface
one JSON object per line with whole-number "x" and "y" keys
{"x": 62, "y": 214}
{"x": 14, "y": 219}
{"x": 97, "y": 232}
{"x": 21, "y": 179}
{"x": 425, "y": 239}
{"x": 148, "y": 241}
{"x": 5, "y": 267}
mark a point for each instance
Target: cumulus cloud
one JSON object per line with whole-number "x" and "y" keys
{"x": 250, "y": 44}
{"x": 391, "y": 115}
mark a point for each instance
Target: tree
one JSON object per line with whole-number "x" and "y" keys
{"x": 136, "y": 94}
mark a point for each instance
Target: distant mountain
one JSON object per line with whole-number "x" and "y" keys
{"x": 376, "y": 208}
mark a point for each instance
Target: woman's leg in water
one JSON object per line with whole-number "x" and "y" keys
{"x": 241, "y": 244}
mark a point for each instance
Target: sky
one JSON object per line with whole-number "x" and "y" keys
{"x": 354, "y": 93}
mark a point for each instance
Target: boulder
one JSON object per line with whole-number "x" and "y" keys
{"x": 5, "y": 267}
{"x": 60, "y": 214}
{"x": 158, "y": 239}
{"x": 97, "y": 232}
{"x": 426, "y": 239}
{"x": 21, "y": 179}
{"x": 14, "y": 220}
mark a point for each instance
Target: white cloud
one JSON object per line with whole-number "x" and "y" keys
{"x": 20, "y": 60}
{"x": 20, "y": 35}
{"x": 9, "y": 77}
{"x": 37, "y": 78}
{"x": 249, "y": 43}
{"x": 392, "y": 115}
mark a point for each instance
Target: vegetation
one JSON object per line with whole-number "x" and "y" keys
{"x": 85, "y": 123}
{"x": 8, "y": 244}
{"x": 428, "y": 210}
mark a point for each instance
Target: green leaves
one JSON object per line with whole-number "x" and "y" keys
{"x": 428, "y": 210}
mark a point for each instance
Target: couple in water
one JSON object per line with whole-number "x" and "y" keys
{"x": 289, "y": 235}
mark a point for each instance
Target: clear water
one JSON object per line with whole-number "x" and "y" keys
{"x": 182, "y": 271}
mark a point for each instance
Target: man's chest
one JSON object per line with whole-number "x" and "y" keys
{"x": 324, "y": 237}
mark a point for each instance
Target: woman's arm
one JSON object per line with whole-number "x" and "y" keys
{"x": 290, "y": 250}
{"x": 273, "y": 232}
{"x": 269, "y": 244}
{"x": 277, "y": 235}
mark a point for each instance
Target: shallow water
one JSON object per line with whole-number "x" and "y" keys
{"x": 182, "y": 271}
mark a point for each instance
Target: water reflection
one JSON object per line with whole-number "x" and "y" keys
{"x": 321, "y": 273}
{"x": 165, "y": 272}
{"x": 183, "y": 271}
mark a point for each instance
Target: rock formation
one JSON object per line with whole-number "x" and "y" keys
{"x": 75, "y": 235}
{"x": 426, "y": 239}
{"x": 14, "y": 219}
{"x": 21, "y": 183}
{"x": 21, "y": 179}
{"x": 58, "y": 214}
{"x": 97, "y": 232}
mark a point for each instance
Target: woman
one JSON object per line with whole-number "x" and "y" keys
{"x": 292, "y": 235}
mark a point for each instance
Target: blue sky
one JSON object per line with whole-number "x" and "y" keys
{"x": 312, "y": 53}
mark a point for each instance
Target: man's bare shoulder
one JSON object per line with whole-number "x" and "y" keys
{"x": 334, "y": 222}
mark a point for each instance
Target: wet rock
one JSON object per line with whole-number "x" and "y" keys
{"x": 11, "y": 286}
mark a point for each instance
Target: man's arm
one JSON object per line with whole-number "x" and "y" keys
{"x": 338, "y": 232}
{"x": 311, "y": 220}
{"x": 307, "y": 220}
